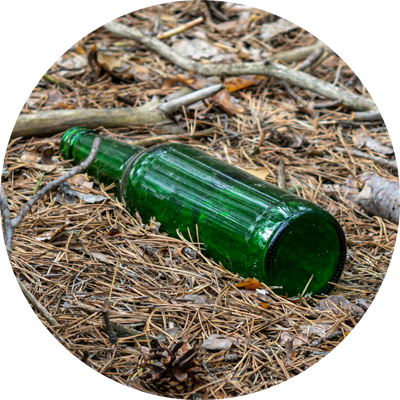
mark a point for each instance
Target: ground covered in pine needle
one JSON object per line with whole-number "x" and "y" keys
{"x": 71, "y": 254}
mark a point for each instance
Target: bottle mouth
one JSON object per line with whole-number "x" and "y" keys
{"x": 306, "y": 254}
{"x": 69, "y": 139}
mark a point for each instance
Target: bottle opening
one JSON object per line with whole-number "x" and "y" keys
{"x": 306, "y": 254}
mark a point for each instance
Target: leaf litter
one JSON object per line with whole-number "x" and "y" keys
{"x": 166, "y": 287}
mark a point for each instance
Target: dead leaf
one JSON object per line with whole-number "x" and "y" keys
{"x": 44, "y": 168}
{"x": 176, "y": 333}
{"x": 103, "y": 257}
{"x": 217, "y": 343}
{"x": 249, "y": 284}
{"x": 318, "y": 330}
{"x": 54, "y": 96}
{"x": 272, "y": 29}
{"x": 337, "y": 304}
{"x": 114, "y": 230}
{"x": 169, "y": 83}
{"x": 107, "y": 61}
{"x": 196, "y": 299}
{"x": 80, "y": 48}
{"x": 261, "y": 172}
{"x": 195, "y": 49}
{"x": 241, "y": 82}
{"x": 137, "y": 72}
{"x": 298, "y": 340}
{"x": 228, "y": 103}
{"x": 47, "y": 155}
{"x": 67, "y": 195}
{"x": 54, "y": 233}
{"x": 30, "y": 157}
{"x": 73, "y": 64}
{"x": 361, "y": 139}
{"x": 289, "y": 349}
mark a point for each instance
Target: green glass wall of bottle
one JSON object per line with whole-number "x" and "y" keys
{"x": 250, "y": 226}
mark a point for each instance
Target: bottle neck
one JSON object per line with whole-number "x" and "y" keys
{"x": 113, "y": 157}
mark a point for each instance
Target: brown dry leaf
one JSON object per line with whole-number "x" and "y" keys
{"x": 195, "y": 49}
{"x": 108, "y": 61}
{"x": 30, "y": 157}
{"x": 137, "y": 72}
{"x": 249, "y": 284}
{"x": 51, "y": 235}
{"x": 298, "y": 340}
{"x": 44, "y": 168}
{"x": 184, "y": 79}
{"x": 80, "y": 48}
{"x": 217, "y": 343}
{"x": 114, "y": 230}
{"x": 103, "y": 257}
{"x": 265, "y": 305}
{"x": 261, "y": 172}
{"x": 289, "y": 350}
{"x": 228, "y": 103}
{"x": 46, "y": 156}
{"x": 241, "y": 82}
{"x": 169, "y": 83}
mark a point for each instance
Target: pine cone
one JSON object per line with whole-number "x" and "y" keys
{"x": 170, "y": 373}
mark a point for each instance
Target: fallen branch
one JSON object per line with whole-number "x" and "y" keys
{"x": 11, "y": 224}
{"x": 361, "y": 154}
{"x": 370, "y": 115}
{"x": 50, "y": 122}
{"x": 275, "y": 70}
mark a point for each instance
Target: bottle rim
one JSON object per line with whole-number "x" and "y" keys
{"x": 70, "y": 138}
{"x": 281, "y": 232}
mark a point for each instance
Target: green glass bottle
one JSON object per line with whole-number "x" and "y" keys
{"x": 253, "y": 228}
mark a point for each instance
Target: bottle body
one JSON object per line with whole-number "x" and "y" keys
{"x": 250, "y": 226}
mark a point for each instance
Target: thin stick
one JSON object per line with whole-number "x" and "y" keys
{"x": 310, "y": 59}
{"x": 180, "y": 29}
{"x": 282, "y": 175}
{"x": 10, "y": 225}
{"x": 191, "y": 98}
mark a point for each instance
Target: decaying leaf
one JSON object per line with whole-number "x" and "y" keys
{"x": 228, "y": 103}
{"x": 30, "y": 157}
{"x": 380, "y": 197}
{"x": 217, "y": 343}
{"x": 317, "y": 329}
{"x": 289, "y": 349}
{"x": 67, "y": 195}
{"x": 108, "y": 62}
{"x": 361, "y": 139}
{"x": 240, "y": 82}
{"x": 54, "y": 233}
{"x": 73, "y": 64}
{"x": 196, "y": 299}
{"x": 338, "y": 305}
{"x": 114, "y": 230}
{"x": 137, "y": 72}
{"x": 274, "y": 28}
{"x": 195, "y": 49}
{"x": 249, "y": 284}
{"x": 47, "y": 155}
{"x": 103, "y": 257}
{"x": 176, "y": 333}
{"x": 298, "y": 340}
